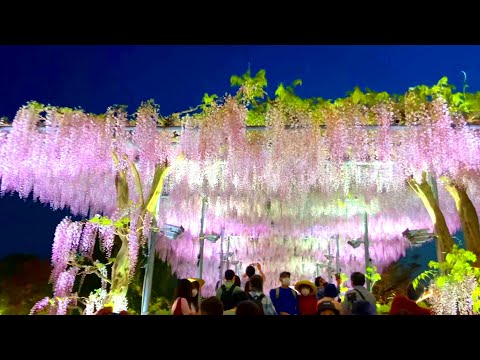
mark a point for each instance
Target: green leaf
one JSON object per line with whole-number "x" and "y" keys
{"x": 443, "y": 81}
{"x": 415, "y": 283}
{"x": 95, "y": 220}
{"x": 36, "y": 105}
{"x": 297, "y": 82}
{"x": 441, "y": 281}
{"x": 105, "y": 221}
{"x": 457, "y": 99}
{"x": 357, "y": 95}
{"x": 208, "y": 100}
{"x": 236, "y": 80}
{"x": 449, "y": 258}
{"x": 471, "y": 256}
{"x": 280, "y": 92}
{"x": 122, "y": 222}
{"x": 101, "y": 220}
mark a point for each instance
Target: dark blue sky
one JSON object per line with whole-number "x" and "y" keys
{"x": 95, "y": 77}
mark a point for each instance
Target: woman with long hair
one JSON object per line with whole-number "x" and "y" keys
{"x": 197, "y": 298}
{"x": 183, "y": 298}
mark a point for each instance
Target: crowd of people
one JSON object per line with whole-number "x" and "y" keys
{"x": 303, "y": 298}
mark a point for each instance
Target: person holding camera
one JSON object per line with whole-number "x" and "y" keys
{"x": 329, "y": 295}
{"x": 249, "y": 272}
{"x": 359, "y": 292}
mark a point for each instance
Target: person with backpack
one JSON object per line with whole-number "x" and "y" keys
{"x": 284, "y": 298}
{"x": 256, "y": 295}
{"x": 238, "y": 297}
{"x": 359, "y": 292}
{"x": 226, "y": 291}
{"x": 307, "y": 301}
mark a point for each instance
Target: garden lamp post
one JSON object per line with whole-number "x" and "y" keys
{"x": 148, "y": 277}
{"x": 366, "y": 246}
{"x": 202, "y": 237}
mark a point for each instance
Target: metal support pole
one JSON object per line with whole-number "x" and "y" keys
{"x": 202, "y": 237}
{"x": 228, "y": 254}
{"x": 366, "y": 244}
{"x": 148, "y": 277}
{"x": 337, "y": 259}
{"x": 329, "y": 266}
{"x": 222, "y": 235}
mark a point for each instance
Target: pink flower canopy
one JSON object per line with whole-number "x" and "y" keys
{"x": 278, "y": 194}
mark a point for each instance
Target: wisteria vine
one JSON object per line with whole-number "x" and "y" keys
{"x": 309, "y": 174}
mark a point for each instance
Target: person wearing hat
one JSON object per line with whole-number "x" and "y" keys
{"x": 327, "y": 307}
{"x": 307, "y": 302}
{"x": 330, "y": 293}
{"x": 197, "y": 285}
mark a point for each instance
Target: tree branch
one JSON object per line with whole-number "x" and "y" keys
{"x": 137, "y": 181}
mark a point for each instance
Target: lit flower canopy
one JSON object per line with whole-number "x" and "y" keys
{"x": 279, "y": 193}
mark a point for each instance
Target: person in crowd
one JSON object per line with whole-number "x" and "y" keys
{"x": 226, "y": 291}
{"x": 307, "y": 301}
{"x": 256, "y": 294}
{"x": 211, "y": 306}
{"x": 237, "y": 281}
{"x": 320, "y": 283}
{"x": 327, "y": 308}
{"x": 284, "y": 298}
{"x": 238, "y": 297}
{"x": 362, "y": 307}
{"x": 249, "y": 272}
{"x": 330, "y": 294}
{"x": 248, "y": 308}
{"x": 358, "y": 292}
{"x": 407, "y": 305}
{"x": 183, "y": 298}
{"x": 108, "y": 310}
{"x": 197, "y": 285}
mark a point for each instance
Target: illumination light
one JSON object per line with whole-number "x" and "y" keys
{"x": 418, "y": 237}
{"x": 355, "y": 243}
{"x": 172, "y": 232}
{"x": 212, "y": 237}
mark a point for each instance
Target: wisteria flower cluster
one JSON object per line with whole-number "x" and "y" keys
{"x": 291, "y": 186}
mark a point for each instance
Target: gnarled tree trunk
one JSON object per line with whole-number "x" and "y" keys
{"x": 468, "y": 217}
{"x": 424, "y": 192}
{"x": 120, "y": 268}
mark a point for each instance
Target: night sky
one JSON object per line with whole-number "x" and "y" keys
{"x": 95, "y": 77}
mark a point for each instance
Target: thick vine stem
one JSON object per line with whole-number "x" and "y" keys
{"x": 424, "y": 192}
{"x": 468, "y": 216}
{"x": 121, "y": 184}
{"x": 120, "y": 271}
{"x": 89, "y": 269}
{"x": 138, "y": 182}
